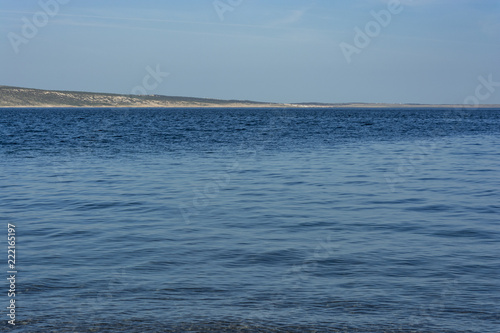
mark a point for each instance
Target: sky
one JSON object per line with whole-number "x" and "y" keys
{"x": 328, "y": 51}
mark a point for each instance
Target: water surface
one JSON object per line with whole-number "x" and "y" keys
{"x": 253, "y": 220}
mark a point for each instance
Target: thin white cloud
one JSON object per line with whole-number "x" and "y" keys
{"x": 94, "y": 20}
{"x": 415, "y": 3}
{"x": 293, "y": 17}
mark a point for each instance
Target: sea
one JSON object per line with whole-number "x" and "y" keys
{"x": 250, "y": 220}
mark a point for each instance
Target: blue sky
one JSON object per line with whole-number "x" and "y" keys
{"x": 428, "y": 51}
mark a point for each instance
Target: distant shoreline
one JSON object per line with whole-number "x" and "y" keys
{"x": 368, "y": 106}
{"x": 271, "y": 106}
{"x": 16, "y": 97}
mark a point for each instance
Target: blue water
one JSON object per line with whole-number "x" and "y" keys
{"x": 253, "y": 220}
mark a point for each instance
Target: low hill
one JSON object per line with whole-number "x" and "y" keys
{"x": 26, "y": 97}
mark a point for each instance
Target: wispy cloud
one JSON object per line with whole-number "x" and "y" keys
{"x": 416, "y": 2}
{"x": 121, "y": 21}
{"x": 293, "y": 17}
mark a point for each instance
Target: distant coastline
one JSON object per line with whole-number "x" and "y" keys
{"x": 16, "y": 97}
